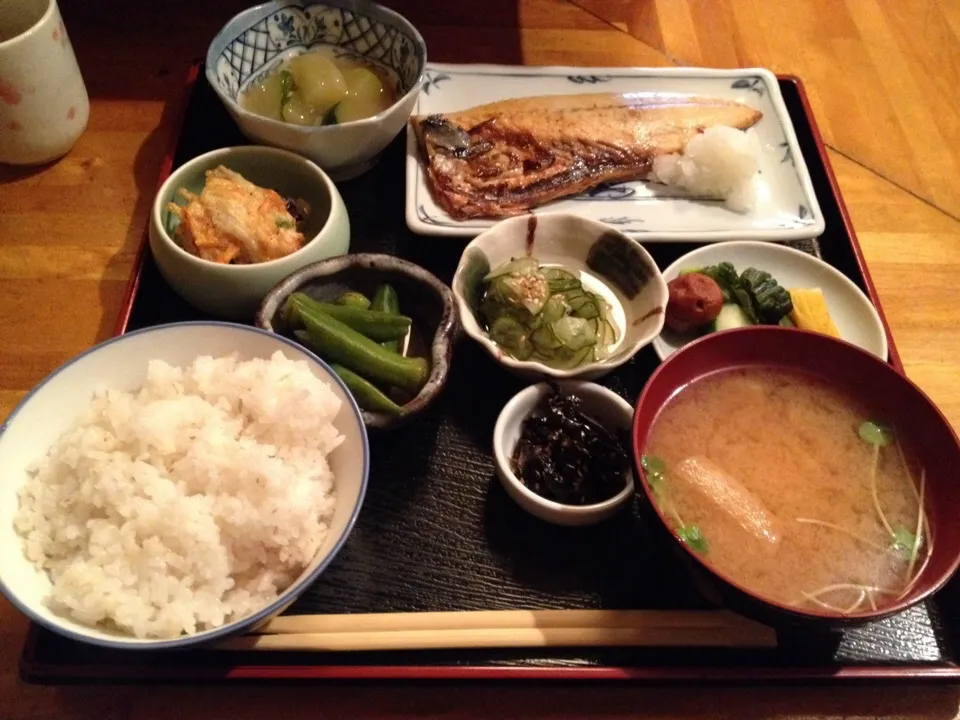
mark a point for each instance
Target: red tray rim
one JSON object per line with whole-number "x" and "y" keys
{"x": 31, "y": 669}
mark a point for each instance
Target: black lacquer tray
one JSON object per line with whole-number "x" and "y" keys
{"x": 437, "y": 532}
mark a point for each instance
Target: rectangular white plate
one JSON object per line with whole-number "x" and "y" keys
{"x": 786, "y": 205}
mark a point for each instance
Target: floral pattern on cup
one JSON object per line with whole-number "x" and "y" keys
{"x": 43, "y": 101}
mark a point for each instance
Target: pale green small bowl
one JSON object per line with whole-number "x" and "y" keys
{"x": 235, "y": 291}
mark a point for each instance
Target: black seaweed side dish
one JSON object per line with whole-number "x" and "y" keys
{"x": 568, "y": 457}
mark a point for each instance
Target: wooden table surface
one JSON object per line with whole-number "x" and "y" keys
{"x": 884, "y": 82}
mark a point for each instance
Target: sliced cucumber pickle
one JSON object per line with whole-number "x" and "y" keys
{"x": 575, "y": 333}
{"x": 545, "y": 314}
{"x": 524, "y": 265}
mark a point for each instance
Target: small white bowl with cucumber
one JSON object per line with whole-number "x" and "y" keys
{"x": 558, "y": 295}
{"x": 768, "y": 284}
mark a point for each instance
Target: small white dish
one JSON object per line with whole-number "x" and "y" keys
{"x": 854, "y": 315}
{"x": 256, "y": 41}
{"x": 236, "y": 291}
{"x": 786, "y": 207}
{"x": 603, "y": 405}
{"x": 121, "y": 364}
{"x": 573, "y": 243}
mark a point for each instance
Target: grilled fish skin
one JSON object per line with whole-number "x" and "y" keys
{"x": 507, "y": 157}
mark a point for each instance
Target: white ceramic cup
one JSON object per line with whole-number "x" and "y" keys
{"x": 43, "y": 102}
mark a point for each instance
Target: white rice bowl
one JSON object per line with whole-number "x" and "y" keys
{"x": 720, "y": 162}
{"x": 188, "y": 504}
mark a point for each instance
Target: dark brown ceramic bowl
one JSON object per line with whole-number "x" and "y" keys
{"x": 923, "y": 428}
{"x": 423, "y": 297}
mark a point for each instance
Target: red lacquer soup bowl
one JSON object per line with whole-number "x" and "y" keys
{"x": 923, "y": 430}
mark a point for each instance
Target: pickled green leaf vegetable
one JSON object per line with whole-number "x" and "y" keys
{"x": 769, "y": 301}
{"x": 758, "y": 294}
{"x": 725, "y": 275}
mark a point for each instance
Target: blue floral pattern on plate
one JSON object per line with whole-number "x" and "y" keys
{"x": 619, "y": 191}
{"x": 588, "y": 79}
{"x": 787, "y": 152}
{"x": 621, "y": 220}
{"x": 432, "y": 80}
{"x": 753, "y": 84}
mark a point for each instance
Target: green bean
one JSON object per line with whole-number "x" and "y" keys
{"x": 367, "y": 395}
{"x": 339, "y": 343}
{"x": 354, "y": 299}
{"x": 375, "y": 325}
{"x": 386, "y": 300}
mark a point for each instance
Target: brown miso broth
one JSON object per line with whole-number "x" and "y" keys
{"x": 775, "y": 480}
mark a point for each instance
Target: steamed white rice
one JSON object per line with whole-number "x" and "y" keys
{"x": 720, "y": 162}
{"x": 187, "y": 504}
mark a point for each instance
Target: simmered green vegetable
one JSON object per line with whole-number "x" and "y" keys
{"x": 330, "y": 116}
{"x": 342, "y": 344}
{"x": 355, "y": 299}
{"x": 371, "y": 323}
{"x": 386, "y": 300}
{"x": 286, "y": 87}
{"x": 367, "y": 395}
{"x": 545, "y": 314}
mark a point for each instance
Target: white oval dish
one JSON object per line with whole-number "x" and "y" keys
{"x": 604, "y": 405}
{"x": 854, "y": 315}
{"x": 121, "y": 364}
{"x": 786, "y": 203}
{"x": 567, "y": 241}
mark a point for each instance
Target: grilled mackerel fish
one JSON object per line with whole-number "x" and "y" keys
{"x": 507, "y": 157}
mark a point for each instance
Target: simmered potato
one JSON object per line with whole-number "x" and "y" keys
{"x": 319, "y": 82}
{"x": 363, "y": 82}
{"x": 316, "y": 88}
{"x": 298, "y": 112}
{"x": 366, "y": 96}
{"x": 265, "y": 98}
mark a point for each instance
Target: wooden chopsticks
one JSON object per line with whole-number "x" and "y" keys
{"x": 506, "y": 629}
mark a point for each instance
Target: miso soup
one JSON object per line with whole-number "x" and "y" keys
{"x": 790, "y": 489}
